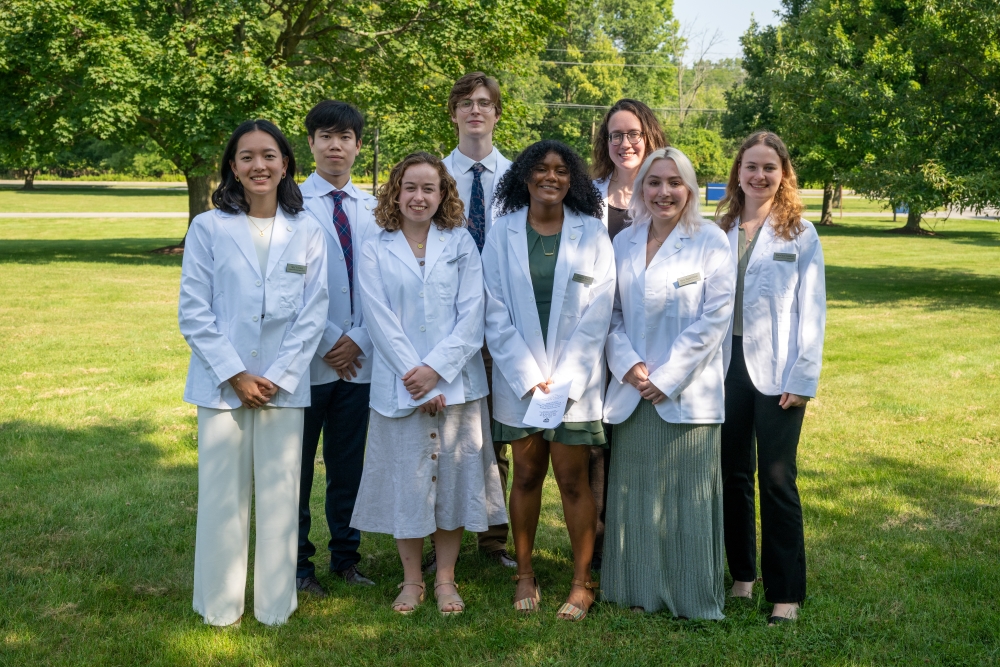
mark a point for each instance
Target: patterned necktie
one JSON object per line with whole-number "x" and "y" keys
{"x": 477, "y": 207}
{"x": 343, "y": 227}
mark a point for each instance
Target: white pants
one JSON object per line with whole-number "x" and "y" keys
{"x": 241, "y": 451}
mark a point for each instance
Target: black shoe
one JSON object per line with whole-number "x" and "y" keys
{"x": 595, "y": 562}
{"x": 501, "y": 556}
{"x": 775, "y": 620}
{"x": 431, "y": 563}
{"x": 310, "y": 585}
{"x": 354, "y": 577}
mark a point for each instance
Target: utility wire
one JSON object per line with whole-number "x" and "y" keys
{"x": 568, "y": 105}
{"x": 561, "y": 62}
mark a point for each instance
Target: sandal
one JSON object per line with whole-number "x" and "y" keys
{"x": 528, "y": 605}
{"x": 446, "y": 599}
{"x": 411, "y": 601}
{"x": 574, "y": 612}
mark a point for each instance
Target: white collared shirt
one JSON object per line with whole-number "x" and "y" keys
{"x": 463, "y": 176}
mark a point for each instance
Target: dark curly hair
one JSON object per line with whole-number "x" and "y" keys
{"x": 512, "y": 191}
{"x": 229, "y": 196}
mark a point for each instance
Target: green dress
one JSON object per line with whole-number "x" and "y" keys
{"x": 543, "y": 252}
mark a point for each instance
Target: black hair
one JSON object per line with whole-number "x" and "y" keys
{"x": 583, "y": 197}
{"x": 229, "y": 196}
{"x": 335, "y": 116}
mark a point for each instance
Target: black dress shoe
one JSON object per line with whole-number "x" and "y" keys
{"x": 310, "y": 585}
{"x": 354, "y": 577}
{"x": 595, "y": 562}
{"x": 775, "y": 620}
{"x": 501, "y": 556}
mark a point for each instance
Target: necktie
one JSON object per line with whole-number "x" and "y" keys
{"x": 343, "y": 227}
{"x": 477, "y": 207}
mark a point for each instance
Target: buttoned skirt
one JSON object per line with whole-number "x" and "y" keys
{"x": 422, "y": 473}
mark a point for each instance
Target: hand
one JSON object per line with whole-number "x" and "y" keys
{"x": 433, "y": 406}
{"x": 792, "y": 401}
{"x": 649, "y": 391}
{"x": 252, "y": 390}
{"x": 544, "y": 386}
{"x": 420, "y": 380}
{"x": 343, "y": 358}
{"x": 636, "y": 375}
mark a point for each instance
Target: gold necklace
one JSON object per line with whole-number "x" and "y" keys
{"x": 541, "y": 239}
{"x": 420, "y": 246}
{"x": 659, "y": 243}
{"x": 258, "y": 228}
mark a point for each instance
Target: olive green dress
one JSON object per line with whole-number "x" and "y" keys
{"x": 543, "y": 252}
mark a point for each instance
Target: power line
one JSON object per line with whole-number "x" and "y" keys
{"x": 561, "y": 62}
{"x": 660, "y": 53}
{"x": 569, "y": 105}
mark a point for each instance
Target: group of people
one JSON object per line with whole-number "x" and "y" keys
{"x": 412, "y": 330}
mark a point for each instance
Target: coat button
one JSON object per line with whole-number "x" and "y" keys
{"x": 347, "y": 323}
{"x": 423, "y": 328}
{"x": 421, "y": 294}
{"x": 440, "y": 238}
{"x": 572, "y": 237}
{"x": 344, "y": 290}
{"x": 289, "y": 228}
{"x": 537, "y": 332}
{"x": 434, "y": 435}
{"x": 340, "y": 258}
{"x": 368, "y": 207}
{"x": 642, "y": 335}
{"x": 677, "y": 245}
{"x": 257, "y": 283}
{"x": 255, "y": 318}
{"x": 434, "y": 478}
{"x": 253, "y": 353}
{"x": 434, "y": 457}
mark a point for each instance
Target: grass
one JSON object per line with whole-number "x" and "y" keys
{"x": 92, "y": 199}
{"x": 899, "y": 474}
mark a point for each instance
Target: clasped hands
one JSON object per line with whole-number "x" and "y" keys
{"x": 343, "y": 358}
{"x": 638, "y": 377}
{"x": 252, "y": 390}
{"x": 419, "y": 381}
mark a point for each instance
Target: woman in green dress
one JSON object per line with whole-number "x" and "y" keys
{"x": 550, "y": 281}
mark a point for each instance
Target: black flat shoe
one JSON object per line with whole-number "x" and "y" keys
{"x": 775, "y": 620}
{"x": 354, "y": 577}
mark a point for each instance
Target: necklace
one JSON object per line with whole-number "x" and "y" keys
{"x": 659, "y": 243}
{"x": 541, "y": 239}
{"x": 420, "y": 246}
{"x": 258, "y": 227}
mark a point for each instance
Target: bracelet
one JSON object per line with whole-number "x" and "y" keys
{"x": 233, "y": 380}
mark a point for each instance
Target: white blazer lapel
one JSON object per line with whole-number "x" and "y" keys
{"x": 282, "y": 234}
{"x": 760, "y": 249}
{"x": 637, "y": 254}
{"x": 436, "y": 241}
{"x": 238, "y": 228}
{"x": 517, "y": 241}
{"x": 568, "y": 242}
{"x": 671, "y": 246}
{"x": 401, "y": 249}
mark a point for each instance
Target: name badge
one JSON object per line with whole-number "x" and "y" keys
{"x": 785, "y": 256}
{"x": 582, "y": 279}
{"x": 295, "y": 268}
{"x": 688, "y": 280}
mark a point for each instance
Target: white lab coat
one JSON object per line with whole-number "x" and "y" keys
{"x": 784, "y": 312}
{"x": 578, "y": 322}
{"x": 676, "y": 329}
{"x": 602, "y": 187}
{"x": 501, "y": 167}
{"x": 223, "y": 296}
{"x": 434, "y": 318}
{"x": 360, "y": 207}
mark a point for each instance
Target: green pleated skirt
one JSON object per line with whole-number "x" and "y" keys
{"x": 663, "y": 540}
{"x": 568, "y": 433}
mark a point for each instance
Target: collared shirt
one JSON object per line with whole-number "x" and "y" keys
{"x": 463, "y": 176}
{"x": 745, "y": 251}
{"x": 324, "y": 187}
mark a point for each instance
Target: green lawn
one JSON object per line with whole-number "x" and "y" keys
{"x": 899, "y": 474}
{"x": 93, "y": 199}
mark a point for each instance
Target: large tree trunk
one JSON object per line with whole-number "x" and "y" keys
{"x": 827, "y": 217}
{"x": 29, "y": 179}
{"x": 912, "y": 225}
{"x": 199, "y": 200}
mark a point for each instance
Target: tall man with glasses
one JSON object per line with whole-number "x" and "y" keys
{"x": 477, "y": 167}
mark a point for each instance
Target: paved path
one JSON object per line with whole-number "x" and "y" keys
{"x": 94, "y": 215}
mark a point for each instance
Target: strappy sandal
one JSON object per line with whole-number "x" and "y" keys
{"x": 528, "y": 605}
{"x": 409, "y": 600}
{"x": 445, "y": 599}
{"x": 574, "y": 612}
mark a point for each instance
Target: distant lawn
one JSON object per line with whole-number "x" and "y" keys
{"x": 899, "y": 474}
{"x": 92, "y": 199}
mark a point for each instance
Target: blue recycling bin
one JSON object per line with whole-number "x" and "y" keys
{"x": 902, "y": 208}
{"x": 714, "y": 192}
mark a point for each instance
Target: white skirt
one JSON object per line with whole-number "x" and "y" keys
{"x": 423, "y": 473}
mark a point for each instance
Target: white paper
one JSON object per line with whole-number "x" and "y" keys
{"x": 547, "y": 410}
{"x": 454, "y": 393}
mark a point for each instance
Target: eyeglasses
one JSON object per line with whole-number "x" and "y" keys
{"x": 484, "y": 105}
{"x": 634, "y": 137}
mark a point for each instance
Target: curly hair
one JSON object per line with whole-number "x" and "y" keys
{"x": 786, "y": 209}
{"x": 601, "y": 164}
{"x": 451, "y": 211}
{"x": 512, "y": 191}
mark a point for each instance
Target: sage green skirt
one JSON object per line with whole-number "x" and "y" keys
{"x": 663, "y": 539}
{"x": 568, "y": 433}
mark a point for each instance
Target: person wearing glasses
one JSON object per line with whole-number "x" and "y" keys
{"x": 628, "y": 134}
{"x": 477, "y": 167}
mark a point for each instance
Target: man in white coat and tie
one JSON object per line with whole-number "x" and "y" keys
{"x": 341, "y": 369}
{"x": 477, "y": 167}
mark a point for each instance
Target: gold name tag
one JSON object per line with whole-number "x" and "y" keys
{"x": 295, "y": 268}
{"x": 784, "y": 256}
{"x": 688, "y": 280}
{"x": 585, "y": 280}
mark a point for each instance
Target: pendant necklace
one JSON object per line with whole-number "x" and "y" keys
{"x": 258, "y": 227}
{"x": 420, "y": 246}
{"x": 541, "y": 239}
{"x": 659, "y": 243}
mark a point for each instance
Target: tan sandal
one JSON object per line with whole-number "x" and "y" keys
{"x": 528, "y": 605}
{"x": 445, "y": 599}
{"x": 409, "y": 600}
{"x": 573, "y": 612}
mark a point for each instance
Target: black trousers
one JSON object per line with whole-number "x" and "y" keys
{"x": 750, "y": 413}
{"x": 340, "y": 411}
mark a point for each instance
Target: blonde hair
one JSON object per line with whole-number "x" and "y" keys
{"x": 786, "y": 208}
{"x": 450, "y": 213}
{"x": 690, "y": 217}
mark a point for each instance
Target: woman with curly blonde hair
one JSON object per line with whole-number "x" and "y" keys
{"x": 426, "y": 469}
{"x": 772, "y": 355}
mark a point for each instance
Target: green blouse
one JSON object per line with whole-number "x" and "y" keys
{"x": 543, "y": 251}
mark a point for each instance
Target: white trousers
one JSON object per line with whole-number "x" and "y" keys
{"x": 241, "y": 451}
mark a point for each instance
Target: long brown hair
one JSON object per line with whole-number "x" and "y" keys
{"x": 601, "y": 165}
{"x": 451, "y": 211}
{"x": 786, "y": 209}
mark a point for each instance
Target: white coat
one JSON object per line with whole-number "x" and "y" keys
{"x": 672, "y": 315}
{"x": 582, "y": 298}
{"x": 360, "y": 209}
{"x": 433, "y": 318}
{"x": 502, "y": 165}
{"x": 223, "y": 296}
{"x": 784, "y": 312}
{"x": 602, "y": 187}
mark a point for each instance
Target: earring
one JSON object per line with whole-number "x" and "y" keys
{"x": 238, "y": 179}
{"x": 282, "y": 174}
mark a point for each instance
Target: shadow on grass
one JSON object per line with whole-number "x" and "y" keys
{"x": 103, "y": 251}
{"x": 96, "y": 190}
{"x": 986, "y": 235}
{"x": 937, "y": 288}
